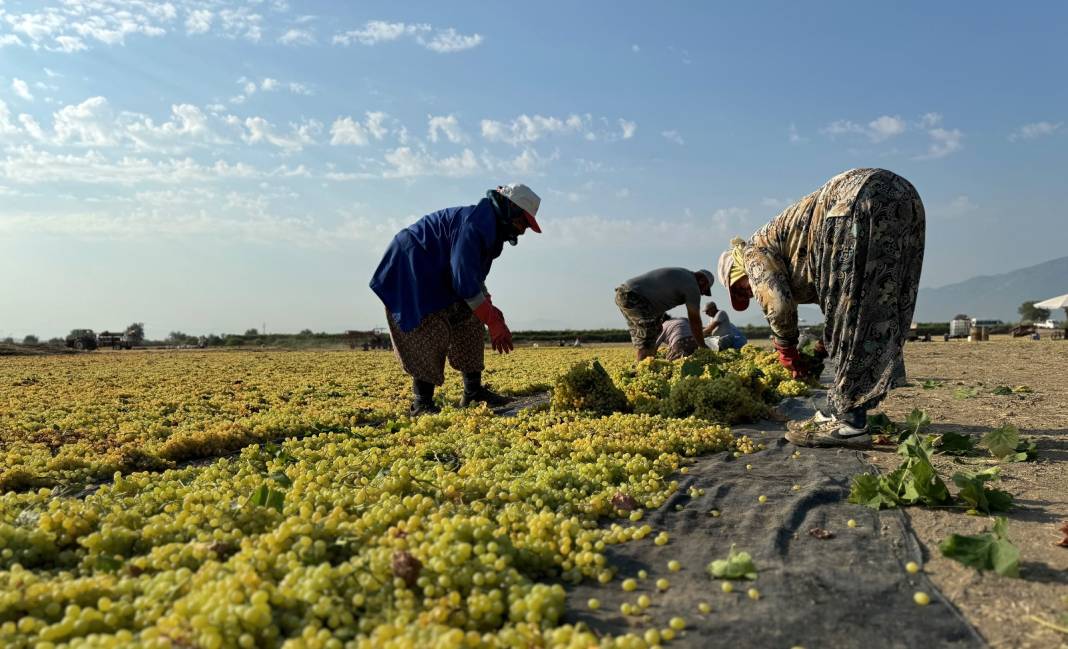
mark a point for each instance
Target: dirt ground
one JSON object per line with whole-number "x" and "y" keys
{"x": 1003, "y": 609}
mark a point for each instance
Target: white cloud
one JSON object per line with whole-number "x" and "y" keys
{"x": 375, "y": 124}
{"x": 9, "y": 39}
{"x": 526, "y": 129}
{"x": 406, "y": 163}
{"x": 28, "y": 165}
{"x": 443, "y": 41}
{"x": 297, "y": 37}
{"x": 20, "y": 88}
{"x": 628, "y": 128}
{"x": 879, "y": 129}
{"x": 885, "y": 127}
{"x": 188, "y": 125}
{"x": 90, "y": 123}
{"x": 729, "y": 220}
{"x": 673, "y": 136}
{"x": 795, "y": 137}
{"x": 348, "y": 131}
{"x": 527, "y": 163}
{"x": 379, "y": 31}
{"x": 1036, "y": 130}
{"x": 449, "y": 40}
{"x": 299, "y": 88}
{"x": 32, "y": 128}
{"x": 51, "y": 74}
{"x": 956, "y": 208}
{"x": 70, "y": 44}
{"x": 930, "y": 120}
{"x": 259, "y": 130}
{"x": 775, "y": 203}
{"x": 6, "y": 127}
{"x": 241, "y": 23}
{"x": 447, "y": 126}
{"x": 268, "y": 85}
{"x": 943, "y": 142}
{"x": 198, "y": 21}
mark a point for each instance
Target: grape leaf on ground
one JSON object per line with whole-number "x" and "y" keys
{"x": 990, "y": 551}
{"x": 951, "y": 443}
{"x": 914, "y": 482}
{"x": 873, "y": 491}
{"x": 737, "y": 565}
{"x": 917, "y": 421}
{"x": 1001, "y": 441}
{"x": 974, "y": 491}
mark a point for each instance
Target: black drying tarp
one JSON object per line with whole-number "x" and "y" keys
{"x": 851, "y": 590}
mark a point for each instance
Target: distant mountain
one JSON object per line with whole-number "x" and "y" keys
{"x": 995, "y": 296}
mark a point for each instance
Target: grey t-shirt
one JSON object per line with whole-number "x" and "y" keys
{"x": 723, "y": 326}
{"x": 667, "y": 288}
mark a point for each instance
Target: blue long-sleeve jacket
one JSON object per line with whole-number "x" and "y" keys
{"x": 439, "y": 260}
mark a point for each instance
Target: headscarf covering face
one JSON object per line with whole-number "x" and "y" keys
{"x": 731, "y": 268}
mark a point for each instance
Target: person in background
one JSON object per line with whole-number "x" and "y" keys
{"x": 432, "y": 283}
{"x": 854, "y": 247}
{"x": 720, "y": 331}
{"x": 676, "y": 334}
{"x": 643, "y": 301}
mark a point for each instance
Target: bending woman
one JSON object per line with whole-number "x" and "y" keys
{"x": 855, "y": 248}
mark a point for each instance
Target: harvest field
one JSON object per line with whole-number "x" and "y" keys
{"x": 217, "y": 499}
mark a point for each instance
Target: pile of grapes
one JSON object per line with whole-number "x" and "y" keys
{"x": 725, "y": 387}
{"x": 453, "y": 530}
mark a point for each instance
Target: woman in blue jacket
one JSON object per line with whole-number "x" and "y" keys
{"x": 432, "y": 282}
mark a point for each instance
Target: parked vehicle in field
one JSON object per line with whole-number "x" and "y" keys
{"x": 1049, "y": 324}
{"x": 81, "y": 339}
{"x": 960, "y": 327}
{"x": 114, "y": 340}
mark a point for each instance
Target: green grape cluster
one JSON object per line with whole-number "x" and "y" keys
{"x": 586, "y": 386}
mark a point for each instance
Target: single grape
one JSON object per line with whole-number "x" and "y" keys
{"x": 912, "y": 567}
{"x": 921, "y": 598}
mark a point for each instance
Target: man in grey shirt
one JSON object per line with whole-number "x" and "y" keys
{"x": 679, "y": 339}
{"x": 644, "y": 299}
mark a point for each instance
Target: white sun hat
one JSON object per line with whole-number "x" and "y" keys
{"x": 526, "y": 199}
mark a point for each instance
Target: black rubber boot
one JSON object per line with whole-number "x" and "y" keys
{"x": 475, "y": 392}
{"x": 423, "y": 404}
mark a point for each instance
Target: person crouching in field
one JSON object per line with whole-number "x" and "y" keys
{"x": 431, "y": 280}
{"x": 645, "y": 299}
{"x": 855, "y": 248}
{"x": 676, "y": 334}
{"x": 721, "y": 332}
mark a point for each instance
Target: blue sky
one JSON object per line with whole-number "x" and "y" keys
{"x": 209, "y": 166}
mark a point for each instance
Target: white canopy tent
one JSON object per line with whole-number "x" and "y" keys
{"x": 1059, "y": 302}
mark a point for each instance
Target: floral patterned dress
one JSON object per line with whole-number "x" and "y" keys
{"x": 855, "y": 248}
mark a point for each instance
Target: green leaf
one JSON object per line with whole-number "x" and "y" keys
{"x": 965, "y": 393}
{"x": 880, "y": 423}
{"x": 1026, "y": 451}
{"x": 925, "y": 486}
{"x": 951, "y": 443}
{"x": 737, "y": 565}
{"x": 281, "y": 478}
{"x": 1001, "y": 441}
{"x": 975, "y": 492}
{"x": 1022, "y": 389}
{"x": 259, "y": 496}
{"x": 872, "y": 491}
{"x": 990, "y": 551}
{"x": 276, "y": 499}
{"x": 917, "y": 421}
{"x": 264, "y": 496}
{"x": 107, "y": 564}
{"x": 931, "y": 384}
{"x": 1002, "y": 390}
